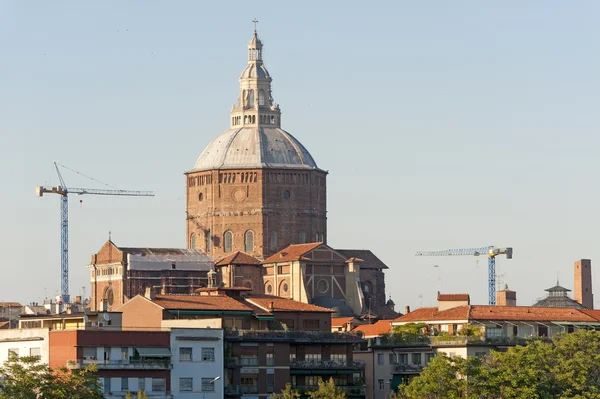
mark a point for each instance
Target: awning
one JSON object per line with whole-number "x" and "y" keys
{"x": 154, "y": 352}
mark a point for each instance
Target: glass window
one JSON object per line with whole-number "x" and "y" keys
{"x": 429, "y": 356}
{"x": 208, "y": 384}
{"x": 270, "y": 359}
{"x": 380, "y": 360}
{"x": 124, "y": 384}
{"x": 381, "y": 384}
{"x": 208, "y": 354}
{"x": 249, "y": 241}
{"x": 89, "y": 353}
{"x": 228, "y": 241}
{"x": 35, "y": 352}
{"x": 159, "y": 384}
{"x": 185, "y": 354}
{"x": 193, "y": 241}
{"x": 416, "y": 358}
{"x": 106, "y": 384}
{"x": 338, "y": 357}
{"x": 273, "y": 241}
{"x": 185, "y": 384}
{"x": 392, "y": 358}
{"x": 402, "y": 358}
{"x": 141, "y": 384}
{"x": 310, "y": 324}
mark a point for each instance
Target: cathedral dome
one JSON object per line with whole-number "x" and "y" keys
{"x": 255, "y": 71}
{"x": 255, "y": 148}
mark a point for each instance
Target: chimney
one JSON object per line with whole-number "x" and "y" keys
{"x": 406, "y": 309}
{"x": 506, "y": 297}
{"x": 449, "y": 301}
{"x": 583, "y": 283}
{"x": 271, "y": 307}
{"x": 149, "y": 293}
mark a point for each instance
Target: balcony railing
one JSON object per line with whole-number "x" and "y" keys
{"x": 232, "y": 390}
{"x": 295, "y": 336}
{"x": 351, "y": 390}
{"x": 236, "y": 361}
{"x": 145, "y": 364}
{"x": 445, "y": 340}
{"x": 151, "y": 395}
{"x": 248, "y": 389}
{"x": 327, "y": 364}
{"x": 406, "y": 368}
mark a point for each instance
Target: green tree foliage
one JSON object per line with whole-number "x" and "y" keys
{"x": 566, "y": 368}
{"x": 287, "y": 393}
{"x": 327, "y": 390}
{"x": 28, "y": 378}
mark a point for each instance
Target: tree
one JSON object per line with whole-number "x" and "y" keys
{"x": 566, "y": 368}
{"x": 287, "y": 393}
{"x": 28, "y": 378}
{"x": 327, "y": 390}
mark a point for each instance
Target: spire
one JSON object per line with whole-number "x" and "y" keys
{"x": 255, "y": 107}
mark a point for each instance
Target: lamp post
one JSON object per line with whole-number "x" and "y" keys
{"x": 210, "y": 382}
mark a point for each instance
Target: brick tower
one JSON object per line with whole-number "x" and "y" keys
{"x": 255, "y": 188}
{"x": 583, "y": 283}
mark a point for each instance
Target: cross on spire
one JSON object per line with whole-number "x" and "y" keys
{"x": 255, "y": 22}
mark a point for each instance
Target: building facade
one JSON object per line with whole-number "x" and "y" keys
{"x": 255, "y": 188}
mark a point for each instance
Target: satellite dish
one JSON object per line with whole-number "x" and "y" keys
{"x": 106, "y": 317}
{"x": 86, "y": 319}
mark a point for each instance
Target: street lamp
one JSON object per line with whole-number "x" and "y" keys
{"x": 210, "y": 382}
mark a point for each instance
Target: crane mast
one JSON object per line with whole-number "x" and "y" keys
{"x": 491, "y": 253}
{"x": 64, "y": 192}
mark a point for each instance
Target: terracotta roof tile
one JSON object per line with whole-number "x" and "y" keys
{"x": 200, "y": 302}
{"x": 592, "y": 313}
{"x": 10, "y": 304}
{"x": 284, "y": 305}
{"x": 340, "y": 321}
{"x": 432, "y": 314}
{"x": 453, "y": 297}
{"x": 238, "y": 258}
{"x": 374, "y": 330}
{"x": 528, "y": 313}
{"x": 291, "y": 253}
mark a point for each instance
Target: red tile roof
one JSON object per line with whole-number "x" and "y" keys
{"x": 374, "y": 330}
{"x": 499, "y": 313}
{"x": 238, "y": 258}
{"x": 340, "y": 321}
{"x": 284, "y": 305}
{"x": 453, "y": 297}
{"x": 200, "y": 302}
{"x": 592, "y": 313}
{"x": 291, "y": 253}
{"x": 10, "y": 304}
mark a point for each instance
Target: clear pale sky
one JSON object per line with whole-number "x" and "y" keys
{"x": 442, "y": 124}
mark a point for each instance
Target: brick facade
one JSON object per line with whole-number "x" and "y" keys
{"x": 290, "y": 204}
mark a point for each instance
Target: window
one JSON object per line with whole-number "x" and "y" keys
{"x": 249, "y": 241}
{"x": 516, "y": 330}
{"x": 124, "y": 384}
{"x": 311, "y": 380}
{"x": 493, "y": 332}
{"x": 392, "y": 358}
{"x": 380, "y": 360}
{"x": 261, "y": 97}
{"x": 381, "y": 384}
{"x": 273, "y": 241}
{"x": 14, "y": 351}
{"x": 287, "y": 195}
{"x": 185, "y": 354}
{"x": 208, "y": 354}
{"x": 35, "y": 352}
{"x": 322, "y": 286}
{"x": 302, "y": 238}
{"x": 429, "y": 356}
{"x": 228, "y": 241}
{"x": 402, "y": 358}
{"x": 269, "y": 288}
{"x": 416, "y": 358}
{"x": 106, "y": 385}
{"x": 542, "y": 331}
{"x": 338, "y": 357}
{"x": 207, "y": 237}
{"x": 200, "y": 197}
{"x": 250, "y": 98}
{"x": 89, "y": 353}
{"x": 185, "y": 384}
{"x": 208, "y": 385}
{"x": 270, "y": 381}
{"x": 310, "y": 324}
{"x": 124, "y": 354}
{"x": 141, "y": 384}
{"x": 270, "y": 359}
{"x": 159, "y": 384}
{"x": 313, "y": 357}
{"x": 193, "y": 241}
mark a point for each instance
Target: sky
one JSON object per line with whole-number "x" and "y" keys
{"x": 442, "y": 125}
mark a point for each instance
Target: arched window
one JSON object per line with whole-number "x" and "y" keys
{"x": 207, "y": 237}
{"x": 249, "y": 241}
{"x": 228, "y": 241}
{"x": 261, "y": 97}
{"x": 193, "y": 241}
{"x": 302, "y": 238}
{"x": 273, "y": 241}
{"x": 251, "y": 98}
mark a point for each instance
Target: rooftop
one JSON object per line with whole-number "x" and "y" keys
{"x": 374, "y": 330}
{"x": 453, "y": 297}
{"x": 292, "y": 253}
{"x": 284, "y": 305}
{"x": 340, "y": 321}
{"x": 370, "y": 261}
{"x": 238, "y": 258}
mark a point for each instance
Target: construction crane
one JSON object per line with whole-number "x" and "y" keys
{"x": 64, "y": 192}
{"x": 491, "y": 253}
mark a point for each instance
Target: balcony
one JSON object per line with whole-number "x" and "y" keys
{"x": 327, "y": 364}
{"x": 293, "y": 336}
{"x": 241, "y": 361}
{"x": 151, "y": 395}
{"x": 351, "y": 390}
{"x": 406, "y": 368}
{"x": 145, "y": 364}
{"x": 457, "y": 340}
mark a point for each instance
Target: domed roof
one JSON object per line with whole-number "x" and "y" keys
{"x": 255, "y": 71}
{"x": 255, "y": 148}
